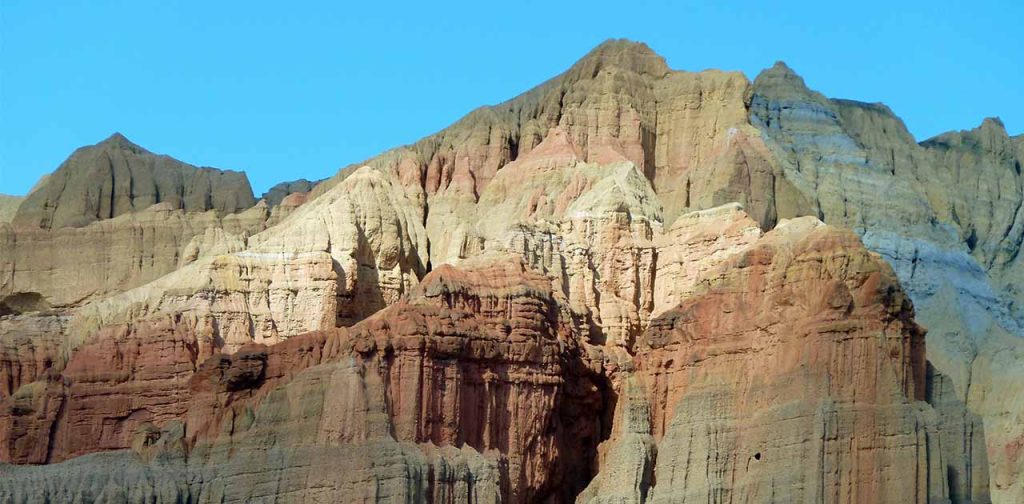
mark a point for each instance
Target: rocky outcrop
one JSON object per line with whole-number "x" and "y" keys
{"x": 686, "y": 132}
{"x": 474, "y": 359}
{"x": 715, "y": 364}
{"x": 371, "y": 228}
{"x": 945, "y": 213}
{"x": 115, "y": 177}
{"x": 616, "y": 287}
{"x": 275, "y": 195}
{"x": 332, "y": 263}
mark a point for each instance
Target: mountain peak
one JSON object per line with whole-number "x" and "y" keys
{"x": 625, "y": 54}
{"x": 120, "y": 142}
{"x": 115, "y": 176}
{"x": 994, "y": 123}
{"x": 780, "y": 81}
{"x": 780, "y": 71}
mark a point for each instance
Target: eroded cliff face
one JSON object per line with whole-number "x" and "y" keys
{"x": 616, "y": 287}
{"x": 945, "y": 213}
{"x": 71, "y": 266}
{"x": 491, "y": 357}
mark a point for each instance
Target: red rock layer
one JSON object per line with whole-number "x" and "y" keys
{"x": 801, "y": 353}
{"x": 823, "y": 302}
{"x": 472, "y": 358}
{"x": 129, "y": 376}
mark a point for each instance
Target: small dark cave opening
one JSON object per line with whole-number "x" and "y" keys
{"x": 23, "y": 302}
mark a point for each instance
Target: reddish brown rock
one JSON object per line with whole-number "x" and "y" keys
{"x": 107, "y": 390}
{"x": 473, "y": 359}
{"x": 489, "y": 358}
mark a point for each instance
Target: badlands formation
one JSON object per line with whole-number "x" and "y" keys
{"x": 630, "y": 284}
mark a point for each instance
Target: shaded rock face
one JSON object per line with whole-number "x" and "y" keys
{"x": 277, "y": 194}
{"x": 616, "y": 287}
{"x": 115, "y": 177}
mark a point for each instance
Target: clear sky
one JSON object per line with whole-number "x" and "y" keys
{"x": 284, "y": 90}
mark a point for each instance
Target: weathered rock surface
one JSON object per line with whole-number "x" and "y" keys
{"x": 117, "y": 254}
{"x": 116, "y": 176}
{"x": 473, "y": 359}
{"x": 9, "y": 205}
{"x": 490, "y": 358}
{"x": 945, "y": 213}
{"x": 686, "y": 132}
{"x": 615, "y": 287}
{"x": 792, "y": 377}
{"x": 275, "y": 195}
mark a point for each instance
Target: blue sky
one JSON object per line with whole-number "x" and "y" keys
{"x": 285, "y": 90}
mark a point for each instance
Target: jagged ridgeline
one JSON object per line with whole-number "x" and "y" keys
{"x": 629, "y": 284}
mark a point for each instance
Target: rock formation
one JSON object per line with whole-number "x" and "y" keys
{"x": 629, "y": 284}
{"x": 490, "y": 358}
{"x": 116, "y": 176}
{"x": 948, "y": 221}
{"x": 116, "y": 254}
{"x": 279, "y": 192}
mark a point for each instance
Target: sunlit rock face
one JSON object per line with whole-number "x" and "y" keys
{"x": 630, "y": 284}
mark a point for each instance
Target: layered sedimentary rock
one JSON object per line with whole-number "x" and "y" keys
{"x": 752, "y": 374}
{"x": 115, "y": 216}
{"x": 334, "y": 262}
{"x": 117, "y": 254}
{"x": 446, "y": 368}
{"x": 685, "y": 132}
{"x": 490, "y": 358}
{"x": 945, "y": 213}
{"x": 116, "y": 176}
{"x": 600, "y": 291}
